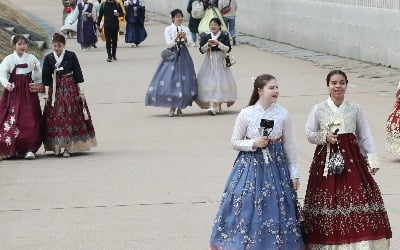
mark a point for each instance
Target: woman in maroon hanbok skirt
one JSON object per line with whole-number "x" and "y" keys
{"x": 20, "y": 113}
{"x": 393, "y": 127}
{"x": 343, "y": 207}
{"x": 68, "y": 123}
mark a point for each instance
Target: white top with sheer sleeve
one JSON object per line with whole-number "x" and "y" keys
{"x": 247, "y": 129}
{"x": 8, "y": 64}
{"x": 326, "y": 117}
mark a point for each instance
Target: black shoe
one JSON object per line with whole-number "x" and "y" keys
{"x": 94, "y": 46}
{"x": 234, "y": 41}
{"x": 109, "y": 59}
{"x": 114, "y": 58}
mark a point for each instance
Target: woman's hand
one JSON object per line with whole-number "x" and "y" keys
{"x": 212, "y": 42}
{"x": 261, "y": 142}
{"x": 331, "y": 138}
{"x": 296, "y": 183}
{"x": 10, "y": 87}
{"x": 374, "y": 170}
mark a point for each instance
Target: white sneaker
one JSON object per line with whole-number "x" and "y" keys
{"x": 66, "y": 154}
{"x": 219, "y": 108}
{"x": 30, "y": 156}
{"x": 211, "y": 111}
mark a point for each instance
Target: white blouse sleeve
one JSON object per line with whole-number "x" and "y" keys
{"x": 189, "y": 37}
{"x": 37, "y": 71}
{"x": 75, "y": 15}
{"x": 238, "y": 140}
{"x": 314, "y": 133}
{"x": 169, "y": 39}
{"x": 5, "y": 71}
{"x": 365, "y": 140}
{"x": 289, "y": 146}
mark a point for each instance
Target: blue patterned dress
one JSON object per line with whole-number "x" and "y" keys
{"x": 258, "y": 207}
{"x": 174, "y": 85}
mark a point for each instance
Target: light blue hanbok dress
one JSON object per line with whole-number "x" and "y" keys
{"x": 258, "y": 209}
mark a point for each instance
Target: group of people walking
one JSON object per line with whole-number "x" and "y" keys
{"x": 343, "y": 206}
{"x": 88, "y": 18}
{"x": 65, "y": 123}
{"x": 202, "y": 11}
{"x": 259, "y": 210}
{"x": 175, "y": 85}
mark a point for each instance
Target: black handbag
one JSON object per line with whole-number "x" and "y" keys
{"x": 336, "y": 162}
{"x": 168, "y": 54}
{"x": 229, "y": 60}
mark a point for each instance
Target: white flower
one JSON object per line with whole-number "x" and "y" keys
{"x": 169, "y": 99}
{"x": 7, "y": 126}
{"x": 8, "y": 141}
{"x": 192, "y": 93}
{"x": 12, "y": 119}
{"x": 153, "y": 99}
{"x": 178, "y": 84}
{"x": 183, "y": 77}
{"x": 162, "y": 83}
{"x": 16, "y": 133}
{"x": 172, "y": 67}
{"x": 180, "y": 94}
{"x": 151, "y": 89}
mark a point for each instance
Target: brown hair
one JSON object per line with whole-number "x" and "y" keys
{"x": 58, "y": 38}
{"x": 335, "y": 72}
{"x": 259, "y": 83}
{"x": 17, "y": 38}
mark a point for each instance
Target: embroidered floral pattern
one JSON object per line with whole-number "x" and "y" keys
{"x": 393, "y": 130}
{"x": 260, "y": 195}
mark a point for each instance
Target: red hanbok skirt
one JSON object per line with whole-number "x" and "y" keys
{"x": 393, "y": 130}
{"x": 20, "y": 119}
{"x": 68, "y": 122}
{"x": 347, "y": 207}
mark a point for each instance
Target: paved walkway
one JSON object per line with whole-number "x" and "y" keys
{"x": 155, "y": 182}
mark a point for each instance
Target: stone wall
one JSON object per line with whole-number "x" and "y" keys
{"x": 367, "y": 30}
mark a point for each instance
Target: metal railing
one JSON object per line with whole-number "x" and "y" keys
{"x": 382, "y": 4}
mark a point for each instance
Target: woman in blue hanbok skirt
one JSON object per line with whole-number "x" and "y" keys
{"x": 174, "y": 85}
{"x": 86, "y": 34}
{"x": 135, "y": 15}
{"x": 258, "y": 209}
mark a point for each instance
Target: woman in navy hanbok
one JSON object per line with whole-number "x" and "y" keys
{"x": 174, "y": 85}
{"x": 135, "y": 15}
{"x": 258, "y": 207}
{"x": 87, "y": 17}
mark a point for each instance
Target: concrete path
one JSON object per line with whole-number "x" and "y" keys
{"x": 155, "y": 182}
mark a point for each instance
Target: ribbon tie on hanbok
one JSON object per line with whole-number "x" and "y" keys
{"x": 53, "y": 94}
{"x": 328, "y": 148}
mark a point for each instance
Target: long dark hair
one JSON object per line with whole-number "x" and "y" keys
{"x": 15, "y": 39}
{"x": 259, "y": 83}
{"x": 176, "y": 12}
{"x": 215, "y": 20}
{"x": 58, "y": 38}
{"x": 335, "y": 72}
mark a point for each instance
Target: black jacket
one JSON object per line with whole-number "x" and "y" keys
{"x": 223, "y": 38}
{"x": 107, "y": 10}
{"x": 70, "y": 63}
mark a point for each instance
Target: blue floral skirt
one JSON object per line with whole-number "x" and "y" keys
{"x": 174, "y": 85}
{"x": 258, "y": 207}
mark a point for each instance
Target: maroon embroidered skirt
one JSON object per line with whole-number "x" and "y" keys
{"x": 20, "y": 119}
{"x": 65, "y": 123}
{"x": 346, "y": 207}
{"x": 393, "y": 130}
